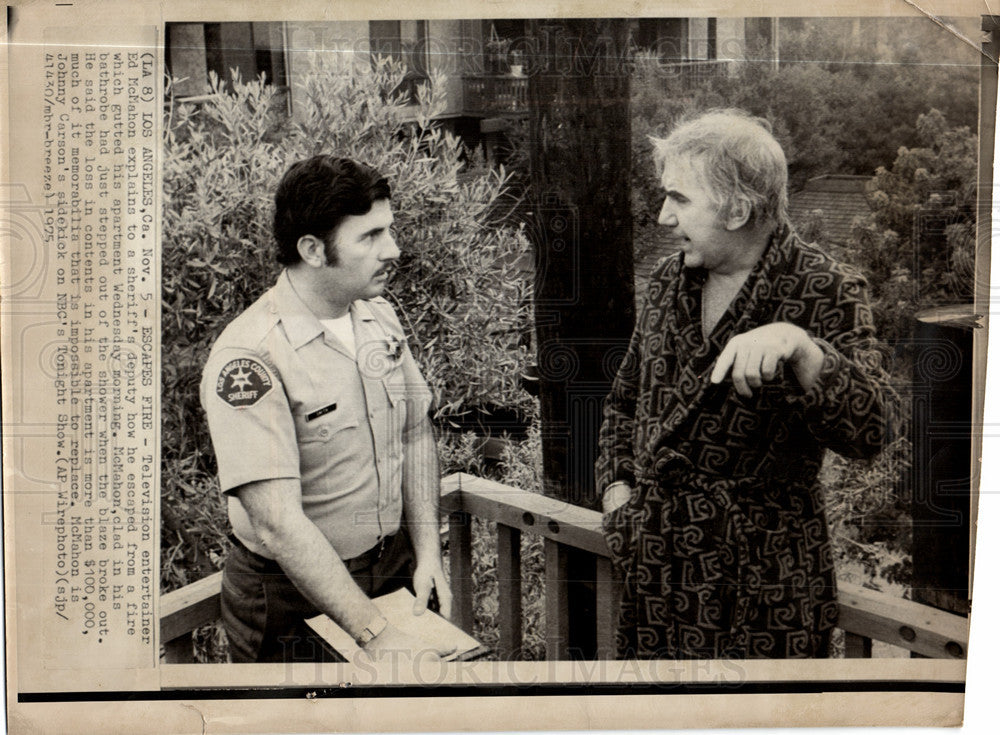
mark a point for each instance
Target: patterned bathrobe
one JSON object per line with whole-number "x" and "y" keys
{"x": 724, "y": 546}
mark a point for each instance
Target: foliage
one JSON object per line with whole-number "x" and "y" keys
{"x": 917, "y": 246}
{"x": 459, "y": 289}
{"x": 867, "y": 511}
{"x": 824, "y": 98}
{"x": 896, "y": 69}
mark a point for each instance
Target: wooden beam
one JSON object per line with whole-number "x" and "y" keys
{"x": 608, "y": 598}
{"x": 910, "y": 625}
{"x": 509, "y": 583}
{"x": 451, "y": 491}
{"x": 547, "y": 517}
{"x": 864, "y": 614}
{"x": 190, "y": 607}
{"x": 579, "y": 133}
{"x": 556, "y": 602}
{"x": 460, "y": 565}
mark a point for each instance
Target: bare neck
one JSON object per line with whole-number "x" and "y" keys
{"x": 722, "y": 285}
{"x": 315, "y": 294}
{"x": 747, "y": 245}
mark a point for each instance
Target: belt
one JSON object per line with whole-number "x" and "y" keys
{"x": 353, "y": 564}
{"x": 370, "y": 557}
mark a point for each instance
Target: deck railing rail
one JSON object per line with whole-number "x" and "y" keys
{"x": 507, "y": 94}
{"x": 493, "y": 94}
{"x": 865, "y": 615}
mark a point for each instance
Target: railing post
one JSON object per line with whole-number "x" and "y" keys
{"x": 180, "y": 650}
{"x": 460, "y": 563}
{"x": 509, "y": 582}
{"x": 556, "y": 602}
{"x": 857, "y": 646}
{"x": 608, "y": 593}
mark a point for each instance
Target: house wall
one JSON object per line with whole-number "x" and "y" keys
{"x": 447, "y": 44}
{"x": 345, "y": 46}
{"x": 731, "y": 39}
{"x": 698, "y": 43}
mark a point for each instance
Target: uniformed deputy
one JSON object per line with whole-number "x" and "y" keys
{"x": 318, "y": 416}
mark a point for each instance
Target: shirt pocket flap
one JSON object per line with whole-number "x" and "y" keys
{"x": 395, "y": 387}
{"x": 322, "y": 422}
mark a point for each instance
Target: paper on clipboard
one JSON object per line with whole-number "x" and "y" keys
{"x": 397, "y": 607}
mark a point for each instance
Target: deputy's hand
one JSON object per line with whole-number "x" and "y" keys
{"x": 392, "y": 643}
{"x": 428, "y": 577}
{"x": 757, "y": 356}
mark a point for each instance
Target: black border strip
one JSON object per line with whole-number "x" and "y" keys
{"x": 500, "y": 690}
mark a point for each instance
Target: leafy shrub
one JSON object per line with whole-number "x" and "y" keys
{"x": 867, "y": 509}
{"x": 520, "y": 467}
{"x": 917, "y": 246}
{"x": 459, "y": 289}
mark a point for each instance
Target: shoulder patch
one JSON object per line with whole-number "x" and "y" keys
{"x": 243, "y": 382}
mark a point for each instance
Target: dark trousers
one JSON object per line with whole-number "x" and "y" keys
{"x": 264, "y": 613}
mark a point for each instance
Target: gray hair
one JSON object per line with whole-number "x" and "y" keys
{"x": 739, "y": 158}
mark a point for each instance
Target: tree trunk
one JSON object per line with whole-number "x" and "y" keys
{"x": 580, "y": 154}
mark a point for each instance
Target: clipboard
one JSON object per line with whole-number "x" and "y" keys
{"x": 397, "y": 607}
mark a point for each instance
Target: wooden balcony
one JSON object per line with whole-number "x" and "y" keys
{"x": 692, "y": 74}
{"x": 489, "y": 95}
{"x": 495, "y": 94}
{"x": 865, "y": 615}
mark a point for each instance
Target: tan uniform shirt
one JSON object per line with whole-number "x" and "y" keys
{"x": 286, "y": 399}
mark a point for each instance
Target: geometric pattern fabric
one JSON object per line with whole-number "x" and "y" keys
{"x": 723, "y": 546}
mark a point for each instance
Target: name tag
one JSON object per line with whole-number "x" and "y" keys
{"x": 321, "y": 412}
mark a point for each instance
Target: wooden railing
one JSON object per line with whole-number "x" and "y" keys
{"x": 506, "y": 94}
{"x": 865, "y": 615}
{"x": 486, "y": 94}
{"x": 692, "y": 74}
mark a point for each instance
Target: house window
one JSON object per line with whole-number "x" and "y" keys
{"x": 677, "y": 39}
{"x": 195, "y": 49}
{"x": 667, "y": 37}
{"x": 701, "y": 39}
{"x": 404, "y": 41}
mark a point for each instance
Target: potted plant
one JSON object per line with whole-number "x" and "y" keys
{"x": 517, "y": 63}
{"x": 496, "y": 50}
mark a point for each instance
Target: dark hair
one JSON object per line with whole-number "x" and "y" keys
{"x": 314, "y": 197}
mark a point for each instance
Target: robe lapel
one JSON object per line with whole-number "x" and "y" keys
{"x": 695, "y": 355}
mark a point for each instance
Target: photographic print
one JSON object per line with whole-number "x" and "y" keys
{"x": 646, "y": 352}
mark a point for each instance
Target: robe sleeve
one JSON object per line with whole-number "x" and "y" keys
{"x": 616, "y": 459}
{"x": 852, "y": 408}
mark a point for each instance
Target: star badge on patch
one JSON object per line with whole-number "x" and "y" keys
{"x": 243, "y": 382}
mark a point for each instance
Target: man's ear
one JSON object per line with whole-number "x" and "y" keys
{"x": 312, "y": 250}
{"x": 739, "y": 214}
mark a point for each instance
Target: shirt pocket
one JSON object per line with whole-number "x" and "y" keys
{"x": 320, "y": 424}
{"x": 395, "y": 427}
{"x": 332, "y": 452}
{"x": 397, "y": 392}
